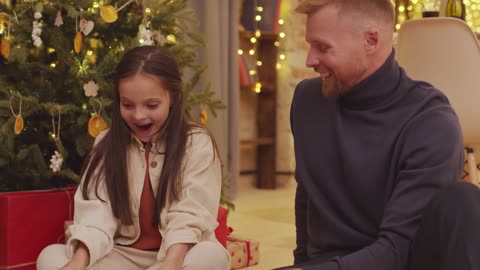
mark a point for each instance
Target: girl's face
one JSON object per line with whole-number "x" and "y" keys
{"x": 144, "y": 105}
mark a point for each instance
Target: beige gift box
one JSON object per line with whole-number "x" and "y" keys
{"x": 243, "y": 252}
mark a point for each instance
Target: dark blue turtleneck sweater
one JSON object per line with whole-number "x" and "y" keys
{"x": 367, "y": 163}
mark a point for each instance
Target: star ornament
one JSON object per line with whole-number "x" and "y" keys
{"x": 91, "y": 89}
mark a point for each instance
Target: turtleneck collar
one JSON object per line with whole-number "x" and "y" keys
{"x": 379, "y": 87}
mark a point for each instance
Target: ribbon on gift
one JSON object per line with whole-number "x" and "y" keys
{"x": 17, "y": 265}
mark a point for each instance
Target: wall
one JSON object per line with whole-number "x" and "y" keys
{"x": 292, "y": 72}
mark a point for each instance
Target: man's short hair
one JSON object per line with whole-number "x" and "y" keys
{"x": 375, "y": 9}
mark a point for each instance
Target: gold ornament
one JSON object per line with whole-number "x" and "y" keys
{"x": 108, "y": 13}
{"x": 18, "y": 124}
{"x": 5, "y": 48}
{"x": 77, "y": 43}
{"x": 203, "y": 116}
{"x": 96, "y": 124}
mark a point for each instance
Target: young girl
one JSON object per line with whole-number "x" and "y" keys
{"x": 150, "y": 191}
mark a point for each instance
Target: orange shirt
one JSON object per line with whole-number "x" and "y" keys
{"x": 150, "y": 237}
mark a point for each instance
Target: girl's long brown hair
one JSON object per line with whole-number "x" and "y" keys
{"x": 109, "y": 156}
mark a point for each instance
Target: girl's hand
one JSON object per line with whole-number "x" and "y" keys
{"x": 73, "y": 265}
{"x": 79, "y": 260}
{"x": 175, "y": 257}
{"x": 172, "y": 264}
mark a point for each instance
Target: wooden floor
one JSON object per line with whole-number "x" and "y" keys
{"x": 267, "y": 216}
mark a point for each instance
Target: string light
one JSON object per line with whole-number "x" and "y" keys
{"x": 172, "y": 38}
{"x": 415, "y": 7}
{"x": 257, "y": 87}
{"x": 253, "y": 57}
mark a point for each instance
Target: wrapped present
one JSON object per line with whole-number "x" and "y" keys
{"x": 243, "y": 252}
{"x": 30, "y": 221}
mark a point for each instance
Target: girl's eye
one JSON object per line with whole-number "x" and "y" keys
{"x": 127, "y": 106}
{"x": 152, "y": 106}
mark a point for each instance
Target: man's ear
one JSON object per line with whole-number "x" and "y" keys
{"x": 371, "y": 40}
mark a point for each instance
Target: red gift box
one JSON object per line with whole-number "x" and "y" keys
{"x": 30, "y": 221}
{"x": 222, "y": 230}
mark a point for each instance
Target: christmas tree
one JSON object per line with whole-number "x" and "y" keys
{"x": 56, "y": 78}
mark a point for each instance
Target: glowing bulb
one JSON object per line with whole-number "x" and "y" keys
{"x": 258, "y": 33}
{"x": 89, "y": 52}
{"x": 253, "y": 40}
{"x": 278, "y": 66}
{"x": 53, "y": 136}
{"x": 240, "y": 52}
{"x": 260, "y": 9}
{"x": 282, "y": 56}
{"x": 401, "y": 8}
{"x": 281, "y": 21}
{"x": 281, "y": 35}
{"x": 148, "y": 10}
{"x": 252, "y": 72}
{"x": 259, "y": 63}
{"x": 141, "y": 41}
{"x": 53, "y": 65}
{"x": 251, "y": 52}
{"x": 84, "y": 106}
{"x": 258, "y": 18}
{"x": 51, "y": 50}
{"x": 276, "y": 43}
{"x": 172, "y": 38}
{"x": 257, "y": 87}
